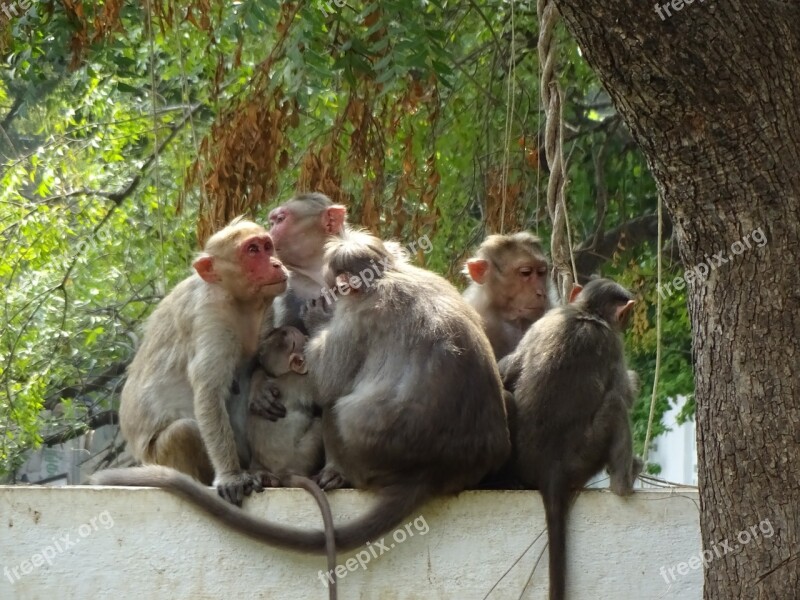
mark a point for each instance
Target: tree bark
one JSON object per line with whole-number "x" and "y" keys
{"x": 711, "y": 94}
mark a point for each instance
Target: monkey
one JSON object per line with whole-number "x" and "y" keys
{"x": 411, "y": 397}
{"x": 300, "y": 228}
{"x": 287, "y": 452}
{"x": 177, "y": 401}
{"x": 572, "y": 394}
{"x": 293, "y": 445}
{"x": 509, "y": 287}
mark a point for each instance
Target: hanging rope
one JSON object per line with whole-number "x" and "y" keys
{"x": 564, "y": 271}
{"x": 512, "y": 75}
{"x": 658, "y": 342}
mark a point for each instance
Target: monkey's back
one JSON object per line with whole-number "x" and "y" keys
{"x": 562, "y": 396}
{"x": 157, "y": 390}
{"x": 424, "y": 401}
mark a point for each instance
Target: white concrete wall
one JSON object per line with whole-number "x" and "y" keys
{"x": 115, "y": 544}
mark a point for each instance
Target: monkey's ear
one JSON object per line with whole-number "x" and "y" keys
{"x": 477, "y": 269}
{"x": 204, "y": 265}
{"x": 333, "y": 219}
{"x": 297, "y": 363}
{"x": 576, "y": 289}
{"x": 624, "y": 313}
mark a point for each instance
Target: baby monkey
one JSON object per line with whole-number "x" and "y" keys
{"x": 292, "y": 445}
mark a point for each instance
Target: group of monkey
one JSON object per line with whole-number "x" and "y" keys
{"x": 247, "y": 378}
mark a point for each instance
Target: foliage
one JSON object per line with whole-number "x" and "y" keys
{"x": 126, "y": 128}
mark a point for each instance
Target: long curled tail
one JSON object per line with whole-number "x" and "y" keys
{"x": 393, "y": 504}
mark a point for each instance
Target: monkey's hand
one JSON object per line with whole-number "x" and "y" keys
{"x": 233, "y": 487}
{"x": 265, "y": 402}
{"x": 315, "y": 314}
{"x": 329, "y": 478}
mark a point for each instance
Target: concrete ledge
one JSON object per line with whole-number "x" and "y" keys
{"x": 114, "y": 543}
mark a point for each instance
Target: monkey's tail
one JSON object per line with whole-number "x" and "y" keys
{"x": 394, "y": 503}
{"x": 556, "y": 504}
{"x": 192, "y": 490}
{"x": 327, "y": 519}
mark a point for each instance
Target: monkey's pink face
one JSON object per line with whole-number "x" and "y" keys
{"x": 259, "y": 265}
{"x": 528, "y": 294}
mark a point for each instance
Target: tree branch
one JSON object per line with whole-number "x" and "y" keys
{"x": 98, "y": 382}
{"x": 107, "y": 417}
{"x": 595, "y": 251}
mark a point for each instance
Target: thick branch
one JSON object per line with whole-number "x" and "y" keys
{"x": 590, "y": 255}
{"x": 97, "y": 383}
{"x": 108, "y": 417}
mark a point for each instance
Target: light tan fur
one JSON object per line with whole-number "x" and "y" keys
{"x": 509, "y": 287}
{"x": 198, "y": 339}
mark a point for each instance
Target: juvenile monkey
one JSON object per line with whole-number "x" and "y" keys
{"x": 196, "y": 343}
{"x": 411, "y": 396}
{"x": 293, "y": 445}
{"x": 509, "y": 287}
{"x": 572, "y": 395}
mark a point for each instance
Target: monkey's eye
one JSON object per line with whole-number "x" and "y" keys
{"x": 277, "y": 218}
{"x": 252, "y": 248}
{"x": 268, "y": 246}
{"x": 526, "y": 271}
{"x": 542, "y": 271}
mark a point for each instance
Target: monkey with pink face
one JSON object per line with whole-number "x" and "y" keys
{"x": 198, "y": 342}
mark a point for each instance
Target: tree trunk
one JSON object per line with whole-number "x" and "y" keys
{"x": 711, "y": 93}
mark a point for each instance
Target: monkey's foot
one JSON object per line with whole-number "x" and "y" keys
{"x": 268, "y": 479}
{"x": 329, "y": 479}
{"x": 622, "y": 484}
{"x": 233, "y": 487}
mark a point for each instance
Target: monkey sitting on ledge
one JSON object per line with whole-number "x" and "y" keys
{"x": 176, "y": 403}
{"x": 572, "y": 394}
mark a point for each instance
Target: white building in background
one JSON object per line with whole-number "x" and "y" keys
{"x": 676, "y": 449}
